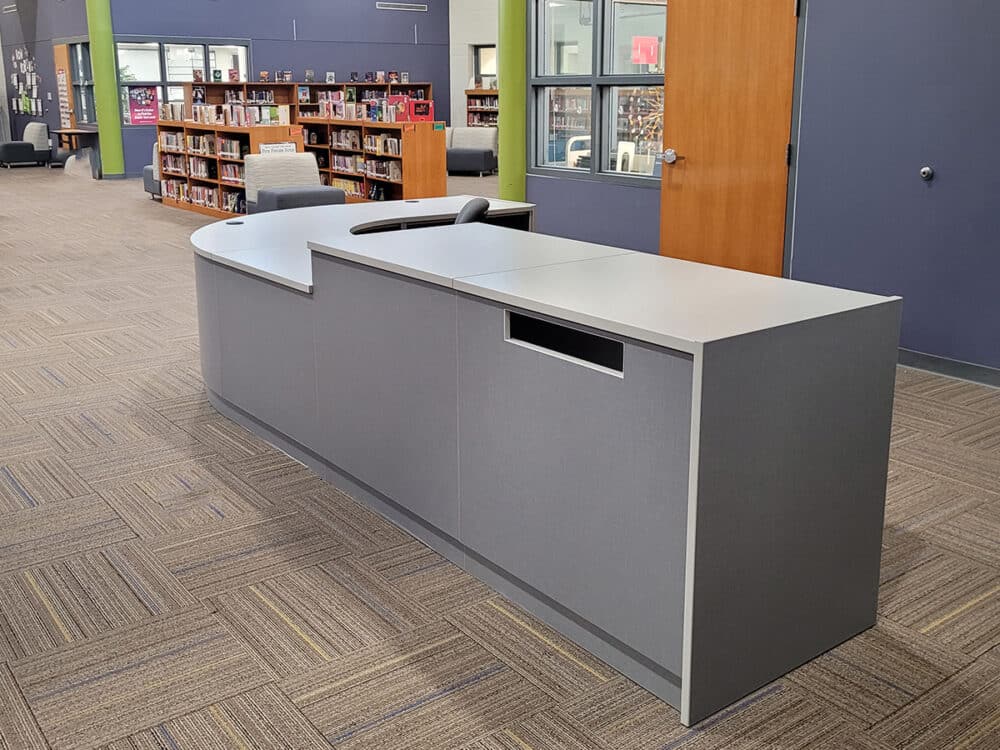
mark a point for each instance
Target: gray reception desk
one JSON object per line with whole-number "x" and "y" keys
{"x": 680, "y": 467}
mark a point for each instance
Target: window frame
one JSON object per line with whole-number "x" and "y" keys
{"x": 600, "y": 84}
{"x": 163, "y": 83}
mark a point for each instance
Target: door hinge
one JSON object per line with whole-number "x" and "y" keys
{"x": 788, "y": 154}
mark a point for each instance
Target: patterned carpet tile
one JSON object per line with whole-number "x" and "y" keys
{"x": 878, "y": 672}
{"x": 553, "y": 663}
{"x": 620, "y": 713}
{"x": 99, "y": 346}
{"x": 9, "y": 416}
{"x": 916, "y": 500}
{"x": 30, "y": 482}
{"x": 159, "y": 383}
{"x": 228, "y": 439}
{"x": 360, "y": 529}
{"x": 983, "y": 435}
{"x": 306, "y": 618}
{"x": 83, "y": 596}
{"x": 74, "y": 400}
{"x": 120, "y": 464}
{"x": 114, "y": 423}
{"x": 183, "y": 497}
{"x": 902, "y": 551}
{"x": 22, "y": 441}
{"x": 425, "y": 690}
{"x": 46, "y": 379}
{"x": 952, "y": 461}
{"x": 929, "y": 416}
{"x": 949, "y": 598}
{"x": 18, "y": 728}
{"x": 227, "y": 556}
{"x": 183, "y": 409}
{"x": 974, "y": 534}
{"x": 54, "y": 531}
{"x": 428, "y": 578}
{"x": 543, "y": 731}
{"x": 124, "y": 681}
{"x": 961, "y": 713}
{"x": 261, "y": 719}
{"x": 955, "y": 393}
{"x": 276, "y": 476}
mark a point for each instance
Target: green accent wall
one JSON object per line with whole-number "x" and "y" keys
{"x": 512, "y": 75}
{"x": 102, "y": 59}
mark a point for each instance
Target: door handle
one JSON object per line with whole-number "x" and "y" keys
{"x": 670, "y": 156}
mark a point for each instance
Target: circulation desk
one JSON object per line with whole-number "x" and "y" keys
{"x": 680, "y": 467}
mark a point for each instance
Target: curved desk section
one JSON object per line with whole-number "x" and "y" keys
{"x": 680, "y": 467}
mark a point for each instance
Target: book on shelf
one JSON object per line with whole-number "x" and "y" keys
{"x": 201, "y": 195}
{"x": 198, "y": 167}
{"x": 234, "y": 202}
{"x": 231, "y": 173}
{"x": 304, "y": 94}
{"x": 353, "y": 188}
{"x": 385, "y": 169}
{"x": 172, "y": 111}
{"x": 346, "y": 138}
{"x": 201, "y": 144}
{"x": 354, "y": 163}
{"x": 382, "y": 144}
{"x": 172, "y": 164}
{"x": 170, "y": 141}
{"x": 232, "y": 148}
{"x": 242, "y": 115}
{"x": 176, "y": 189}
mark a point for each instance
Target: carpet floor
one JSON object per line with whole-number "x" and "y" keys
{"x": 168, "y": 580}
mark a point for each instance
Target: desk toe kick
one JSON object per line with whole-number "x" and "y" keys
{"x": 704, "y": 521}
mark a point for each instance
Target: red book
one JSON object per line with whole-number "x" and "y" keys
{"x": 421, "y": 110}
{"x": 401, "y": 104}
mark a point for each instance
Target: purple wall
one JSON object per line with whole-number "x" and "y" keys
{"x": 602, "y": 212}
{"x": 344, "y": 36}
{"x": 887, "y": 88}
{"x": 35, "y": 25}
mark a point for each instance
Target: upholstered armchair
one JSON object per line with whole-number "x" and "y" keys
{"x": 34, "y": 147}
{"x": 279, "y": 181}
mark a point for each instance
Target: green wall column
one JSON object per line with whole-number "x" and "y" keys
{"x": 102, "y": 59}
{"x": 512, "y": 42}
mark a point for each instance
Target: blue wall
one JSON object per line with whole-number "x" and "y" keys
{"x": 602, "y": 212}
{"x": 889, "y": 87}
{"x": 343, "y": 36}
{"x": 35, "y": 25}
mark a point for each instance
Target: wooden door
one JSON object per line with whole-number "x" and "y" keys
{"x": 64, "y": 86}
{"x": 727, "y": 115}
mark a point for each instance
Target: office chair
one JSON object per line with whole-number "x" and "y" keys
{"x": 473, "y": 211}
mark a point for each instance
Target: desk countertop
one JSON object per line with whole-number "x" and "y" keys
{"x": 661, "y": 301}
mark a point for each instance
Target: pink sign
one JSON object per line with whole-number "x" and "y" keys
{"x": 143, "y": 105}
{"x": 645, "y": 50}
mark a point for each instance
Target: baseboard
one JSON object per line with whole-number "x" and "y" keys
{"x": 950, "y": 367}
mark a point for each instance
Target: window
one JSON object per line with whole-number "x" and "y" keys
{"x": 597, "y": 82}
{"x": 485, "y": 57}
{"x": 228, "y": 63}
{"x": 147, "y": 68}
{"x": 83, "y": 83}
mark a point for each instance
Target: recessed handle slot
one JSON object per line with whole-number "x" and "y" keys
{"x": 566, "y": 343}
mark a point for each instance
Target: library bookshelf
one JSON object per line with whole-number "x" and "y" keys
{"x": 379, "y": 160}
{"x": 369, "y": 160}
{"x": 201, "y": 164}
{"x": 482, "y": 107}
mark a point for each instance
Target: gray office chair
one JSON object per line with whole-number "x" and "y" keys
{"x": 473, "y": 211}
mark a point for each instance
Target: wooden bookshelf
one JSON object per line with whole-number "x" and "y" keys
{"x": 482, "y": 107}
{"x": 417, "y": 171}
{"x": 181, "y": 187}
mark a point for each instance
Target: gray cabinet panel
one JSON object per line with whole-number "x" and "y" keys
{"x": 268, "y": 360}
{"x": 209, "y": 341}
{"x": 576, "y": 480}
{"x": 794, "y": 447}
{"x": 387, "y": 378}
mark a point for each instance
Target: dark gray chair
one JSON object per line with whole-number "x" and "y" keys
{"x": 33, "y": 149}
{"x": 151, "y": 175}
{"x": 277, "y": 199}
{"x": 473, "y": 211}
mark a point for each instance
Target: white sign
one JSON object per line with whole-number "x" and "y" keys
{"x": 278, "y": 148}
